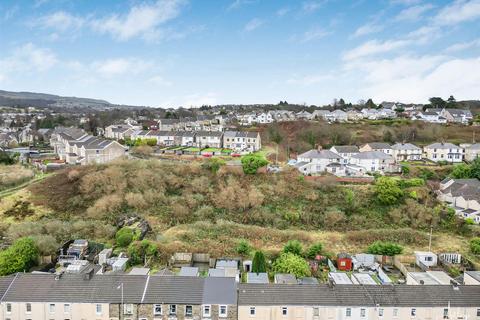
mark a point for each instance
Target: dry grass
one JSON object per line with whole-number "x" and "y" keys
{"x": 11, "y": 176}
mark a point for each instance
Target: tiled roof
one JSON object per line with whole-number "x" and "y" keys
{"x": 346, "y": 149}
{"x": 405, "y": 146}
{"x": 319, "y": 154}
{"x": 371, "y": 155}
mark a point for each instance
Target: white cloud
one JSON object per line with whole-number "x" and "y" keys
{"x": 457, "y": 12}
{"x": 197, "y": 99}
{"x": 309, "y": 80}
{"x": 463, "y": 46}
{"x": 405, "y": 2}
{"x": 239, "y": 3}
{"x": 120, "y": 66}
{"x": 314, "y": 34}
{"x": 373, "y": 47}
{"x": 282, "y": 11}
{"x": 413, "y": 13}
{"x": 312, "y": 6}
{"x": 417, "y": 78}
{"x": 142, "y": 20}
{"x": 160, "y": 81}
{"x": 61, "y": 21}
{"x": 368, "y": 28}
{"x": 253, "y": 24}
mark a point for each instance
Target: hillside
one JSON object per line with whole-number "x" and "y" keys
{"x": 191, "y": 208}
{"x": 31, "y": 99}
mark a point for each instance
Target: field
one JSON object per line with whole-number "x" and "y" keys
{"x": 191, "y": 208}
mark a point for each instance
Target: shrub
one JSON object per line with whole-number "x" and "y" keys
{"x": 243, "y": 247}
{"x": 475, "y": 245}
{"x": 314, "y": 250}
{"x": 294, "y": 247}
{"x": 252, "y": 162}
{"x": 293, "y": 264}
{"x": 19, "y": 257}
{"x": 213, "y": 164}
{"x": 259, "y": 263}
{"x": 139, "y": 251}
{"x": 388, "y": 191}
{"x": 124, "y": 236}
{"x": 385, "y": 248}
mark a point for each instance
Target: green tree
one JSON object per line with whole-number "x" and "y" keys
{"x": 385, "y": 248}
{"x": 405, "y": 169}
{"x": 388, "y": 191}
{"x": 19, "y": 257}
{"x": 475, "y": 169}
{"x": 370, "y": 104}
{"x": 437, "y": 102}
{"x": 461, "y": 171}
{"x": 293, "y": 264}
{"x": 259, "y": 263}
{"x": 314, "y": 250}
{"x": 294, "y": 247}
{"x": 124, "y": 236}
{"x": 311, "y": 139}
{"x": 475, "y": 245}
{"x": 140, "y": 251}
{"x": 243, "y": 247}
{"x": 276, "y": 137}
{"x": 5, "y": 158}
{"x": 252, "y": 162}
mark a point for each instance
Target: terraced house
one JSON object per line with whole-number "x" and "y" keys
{"x": 116, "y": 297}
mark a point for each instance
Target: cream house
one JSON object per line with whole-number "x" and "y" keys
{"x": 356, "y": 302}
{"x": 92, "y": 150}
{"x": 443, "y": 151}
{"x": 472, "y": 151}
{"x": 406, "y": 152}
{"x": 242, "y": 140}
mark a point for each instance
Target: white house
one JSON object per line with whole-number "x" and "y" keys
{"x": 425, "y": 259}
{"x": 463, "y": 195}
{"x": 457, "y": 115}
{"x": 336, "y": 116}
{"x": 406, "y": 152}
{"x": 212, "y": 139}
{"x": 443, "y": 151}
{"x": 316, "y": 161}
{"x": 345, "y": 151}
{"x": 372, "y": 161}
{"x": 377, "y": 146}
{"x": 248, "y": 141}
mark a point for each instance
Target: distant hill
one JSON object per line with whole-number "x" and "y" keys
{"x": 32, "y": 99}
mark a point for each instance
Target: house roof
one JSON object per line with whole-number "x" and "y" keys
{"x": 168, "y": 121}
{"x": 359, "y": 295}
{"x": 378, "y": 145}
{"x": 372, "y": 155}
{"x": 474, "y": 274}
{"x": 345, "y": 149}
{"x": 319, "y": 154}
{"x": 442, "y": 145}
{"x": 405, "y": 146}
{"x": 240, "y": 134}
{"x": 188, "y": 272}
{"x": 209, "y": 133}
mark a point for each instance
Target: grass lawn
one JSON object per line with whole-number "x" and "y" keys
{"x": 192, "y": 149}
{"x": 211, "y": 150}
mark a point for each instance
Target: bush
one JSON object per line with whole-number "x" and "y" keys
{"x": 314, "y": 250}
{"x": 385, "y": 248}
{"x": 124, "y": 236}
{"x": 259, "y": 263}
{"x": 19, "y": 257}
{"x": 475, "y": 246}
{"x": 213, "y": 164}
{"x": 139, "y": 251}
{"x": 252, "y": 162}
{"x": 5, "y": 158}
{"x": 243, "y": 247}
{"x": 388, "y": 191}
{"x": 294, "y": 247}
{"x": 293, "y": 264}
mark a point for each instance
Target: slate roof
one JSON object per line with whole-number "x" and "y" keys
{"x": 372, "y": 155}
{"x": 474, "y": 274}
{"x": 209, "y": 133}
{"x": 346, "y": 149}
{"x": 442, "y": 145}
{"x": 168, "y": 121}
{"x": 240, "y": 134}
{"x": 475, "y": 146}
{"x": 405, "y": 146}
{"x": 359, "y": 295}
{"x": 378, "y": 145}
{"x": 319, "y": 154}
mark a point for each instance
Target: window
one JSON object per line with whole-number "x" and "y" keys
{"x": 66, "y": 308}
{"x": 478, "y": 312}
{"x": 348, "y": 312}
{"x": 284, "y": 311}
{"x": 380, "y": 312}
{"x": 413, "y": 312}
{"x": 395, "y": 312}
{"x": 29, "y": 308}
{"x": 188, "y": 311}
{"x": 252, "y": 311}
{"x": 316, "y": 312}
{"x": 206, "y": 311}
{"x": 445, "y": 313}
{"x": 157, "y": 310}
{"x": 98, "y": 309}
{"x": 173, "y": 309}
{"x": 363, "y": 313}
{"x": 223, "y": 311}
{"x": 128, "y": 308}
{"x": 9, "y": 307}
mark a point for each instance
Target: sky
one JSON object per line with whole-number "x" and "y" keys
{"x": 170, "y": 53}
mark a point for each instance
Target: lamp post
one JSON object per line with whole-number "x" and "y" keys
{"x": 121, "y": 304}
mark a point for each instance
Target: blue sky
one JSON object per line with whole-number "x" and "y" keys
{"x": 194, "y": 52}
